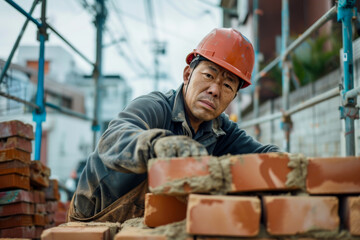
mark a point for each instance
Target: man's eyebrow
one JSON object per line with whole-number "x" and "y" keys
{"x": 229, "y": 76}
{"x": 213, "y": 68}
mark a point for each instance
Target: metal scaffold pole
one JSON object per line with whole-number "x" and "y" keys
{"x": 348, "y": 111}
{"x": 9, "y": 59}
{"x": 256, "y": 66}
{"x": 97, "y": 74}
{"x": 285, "y": 23}
{"x": 39, "y": 115}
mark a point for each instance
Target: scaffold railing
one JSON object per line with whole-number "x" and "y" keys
{"x": 345, "y": 12}
{"x": 39, "y": 107}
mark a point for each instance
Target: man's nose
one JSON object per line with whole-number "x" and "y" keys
{"x": 214, "y": 89}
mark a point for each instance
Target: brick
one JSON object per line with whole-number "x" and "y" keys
{"x": 223, "y": 215}
{"x": 17, "y": 143}
{"x": 16, "y": 128}
{"x": 335, "y": 175}
{"x": 14, "y": 196}
{"x": 162, "y": 210}
{"x": 113, "y": 226}
{"x": 14, "y": 166}
{"x": 51, "y": 206}
{"x": 88, "y": 233}
{"x": 290, "y": 215}
{"x": 39, "y": 175}
{"x": 39, "y": 219}
{"x": 13, "y": 181}
{"x": 39, "y": 196}
{"x": 15, "y": 154}
{"x": 16, "y": 221}
{"x": 52, "y": 191}
{"x": 352, "y": 218}
{"x": 17, "y": 208}
{"x": 132, "y": 233}
{"x": 179, "y": 176}
{"x": 40, "y": 208}
{"x": 40, "y": 167}
{"x": 19, "y": 232}
{"x": 259, "y": 172}
{"x": 49, "y": 219}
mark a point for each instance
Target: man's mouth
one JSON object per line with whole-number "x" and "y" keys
{"x": 208, "y": 104}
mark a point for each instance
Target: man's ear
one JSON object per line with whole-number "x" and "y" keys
{"x": 186, "y": 74}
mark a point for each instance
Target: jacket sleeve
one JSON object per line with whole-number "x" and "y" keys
{"x": 127, "y": 144}
{"x": 236, "y": 141}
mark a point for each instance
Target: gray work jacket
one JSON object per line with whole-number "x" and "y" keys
{"x": 119, "y": 163}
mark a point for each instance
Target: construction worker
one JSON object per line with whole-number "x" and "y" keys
{"x": 188, "y": 121}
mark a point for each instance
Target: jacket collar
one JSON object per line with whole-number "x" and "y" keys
{"x": 178, "y": 115}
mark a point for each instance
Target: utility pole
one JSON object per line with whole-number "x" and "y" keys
{"x": 97, "y": 73}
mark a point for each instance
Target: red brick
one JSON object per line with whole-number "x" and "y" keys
{"x": 223, "y": 215}
{"x": 352, "y": 218}
{"x": 16, "y": 142}
{"x": 39, "y": 174}
{"x": 14, "y": 166}
{"x": 14, "y": 196}
{"x": 16, "y": 221}
{"x": 88, "y": 233}
{"x": 39, "y": 219}
{"x": 50, "y": 218}
{"x": 132, "y": 233}
{"x": 163, "y": 173}
{"x": 14, "y": 154}
{"x": 51, "y": 206}
{"x": 17, "y": 208}
{"x": 259, "y": 172}
{"x": 19, "y": 232}
{"x": 52, "y": 191}
{"x": 16, "y": 128}
{"x": 40, "y": 208}
{"x": 39, "y": 196}
{"x": 333, "y": 175}
{"x": 12, "y": 181}
{"x": 161, "y": 210}
{"x": 289, "y": 215}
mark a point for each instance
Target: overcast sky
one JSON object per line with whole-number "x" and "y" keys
{"x": 181, "y": 24}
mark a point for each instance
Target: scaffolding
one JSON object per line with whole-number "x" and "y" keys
{"x": 39, "y": 107}
{"x": 345, "y": 12}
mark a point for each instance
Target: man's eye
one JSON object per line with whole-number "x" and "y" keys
{"x": 208, "y": 75}
{"x": 228, "y": 86}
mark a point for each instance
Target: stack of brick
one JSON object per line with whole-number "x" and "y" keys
{"x": 23, "y": 182}
{"x": 254, "y": 196}
{"x": 269, "y": 196}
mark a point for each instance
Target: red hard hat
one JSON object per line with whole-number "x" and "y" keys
{"x": 229, "y": 49}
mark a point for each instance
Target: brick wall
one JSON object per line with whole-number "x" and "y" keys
{"x": 253, "y": 196}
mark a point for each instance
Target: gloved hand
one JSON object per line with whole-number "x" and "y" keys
{"x": 178, "y": 146}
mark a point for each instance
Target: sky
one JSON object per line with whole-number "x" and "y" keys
{"x": 179, "y": 24}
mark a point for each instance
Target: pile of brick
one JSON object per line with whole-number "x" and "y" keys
{"x": 28, "y": 198}
{"x": 253, "y": 196}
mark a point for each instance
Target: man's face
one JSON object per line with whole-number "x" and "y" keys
{"x": 209, "y": 91}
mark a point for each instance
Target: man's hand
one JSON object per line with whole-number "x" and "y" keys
{"x": 178, "y": 146}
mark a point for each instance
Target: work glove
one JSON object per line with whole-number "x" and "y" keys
{"x": 178, "y": 146}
